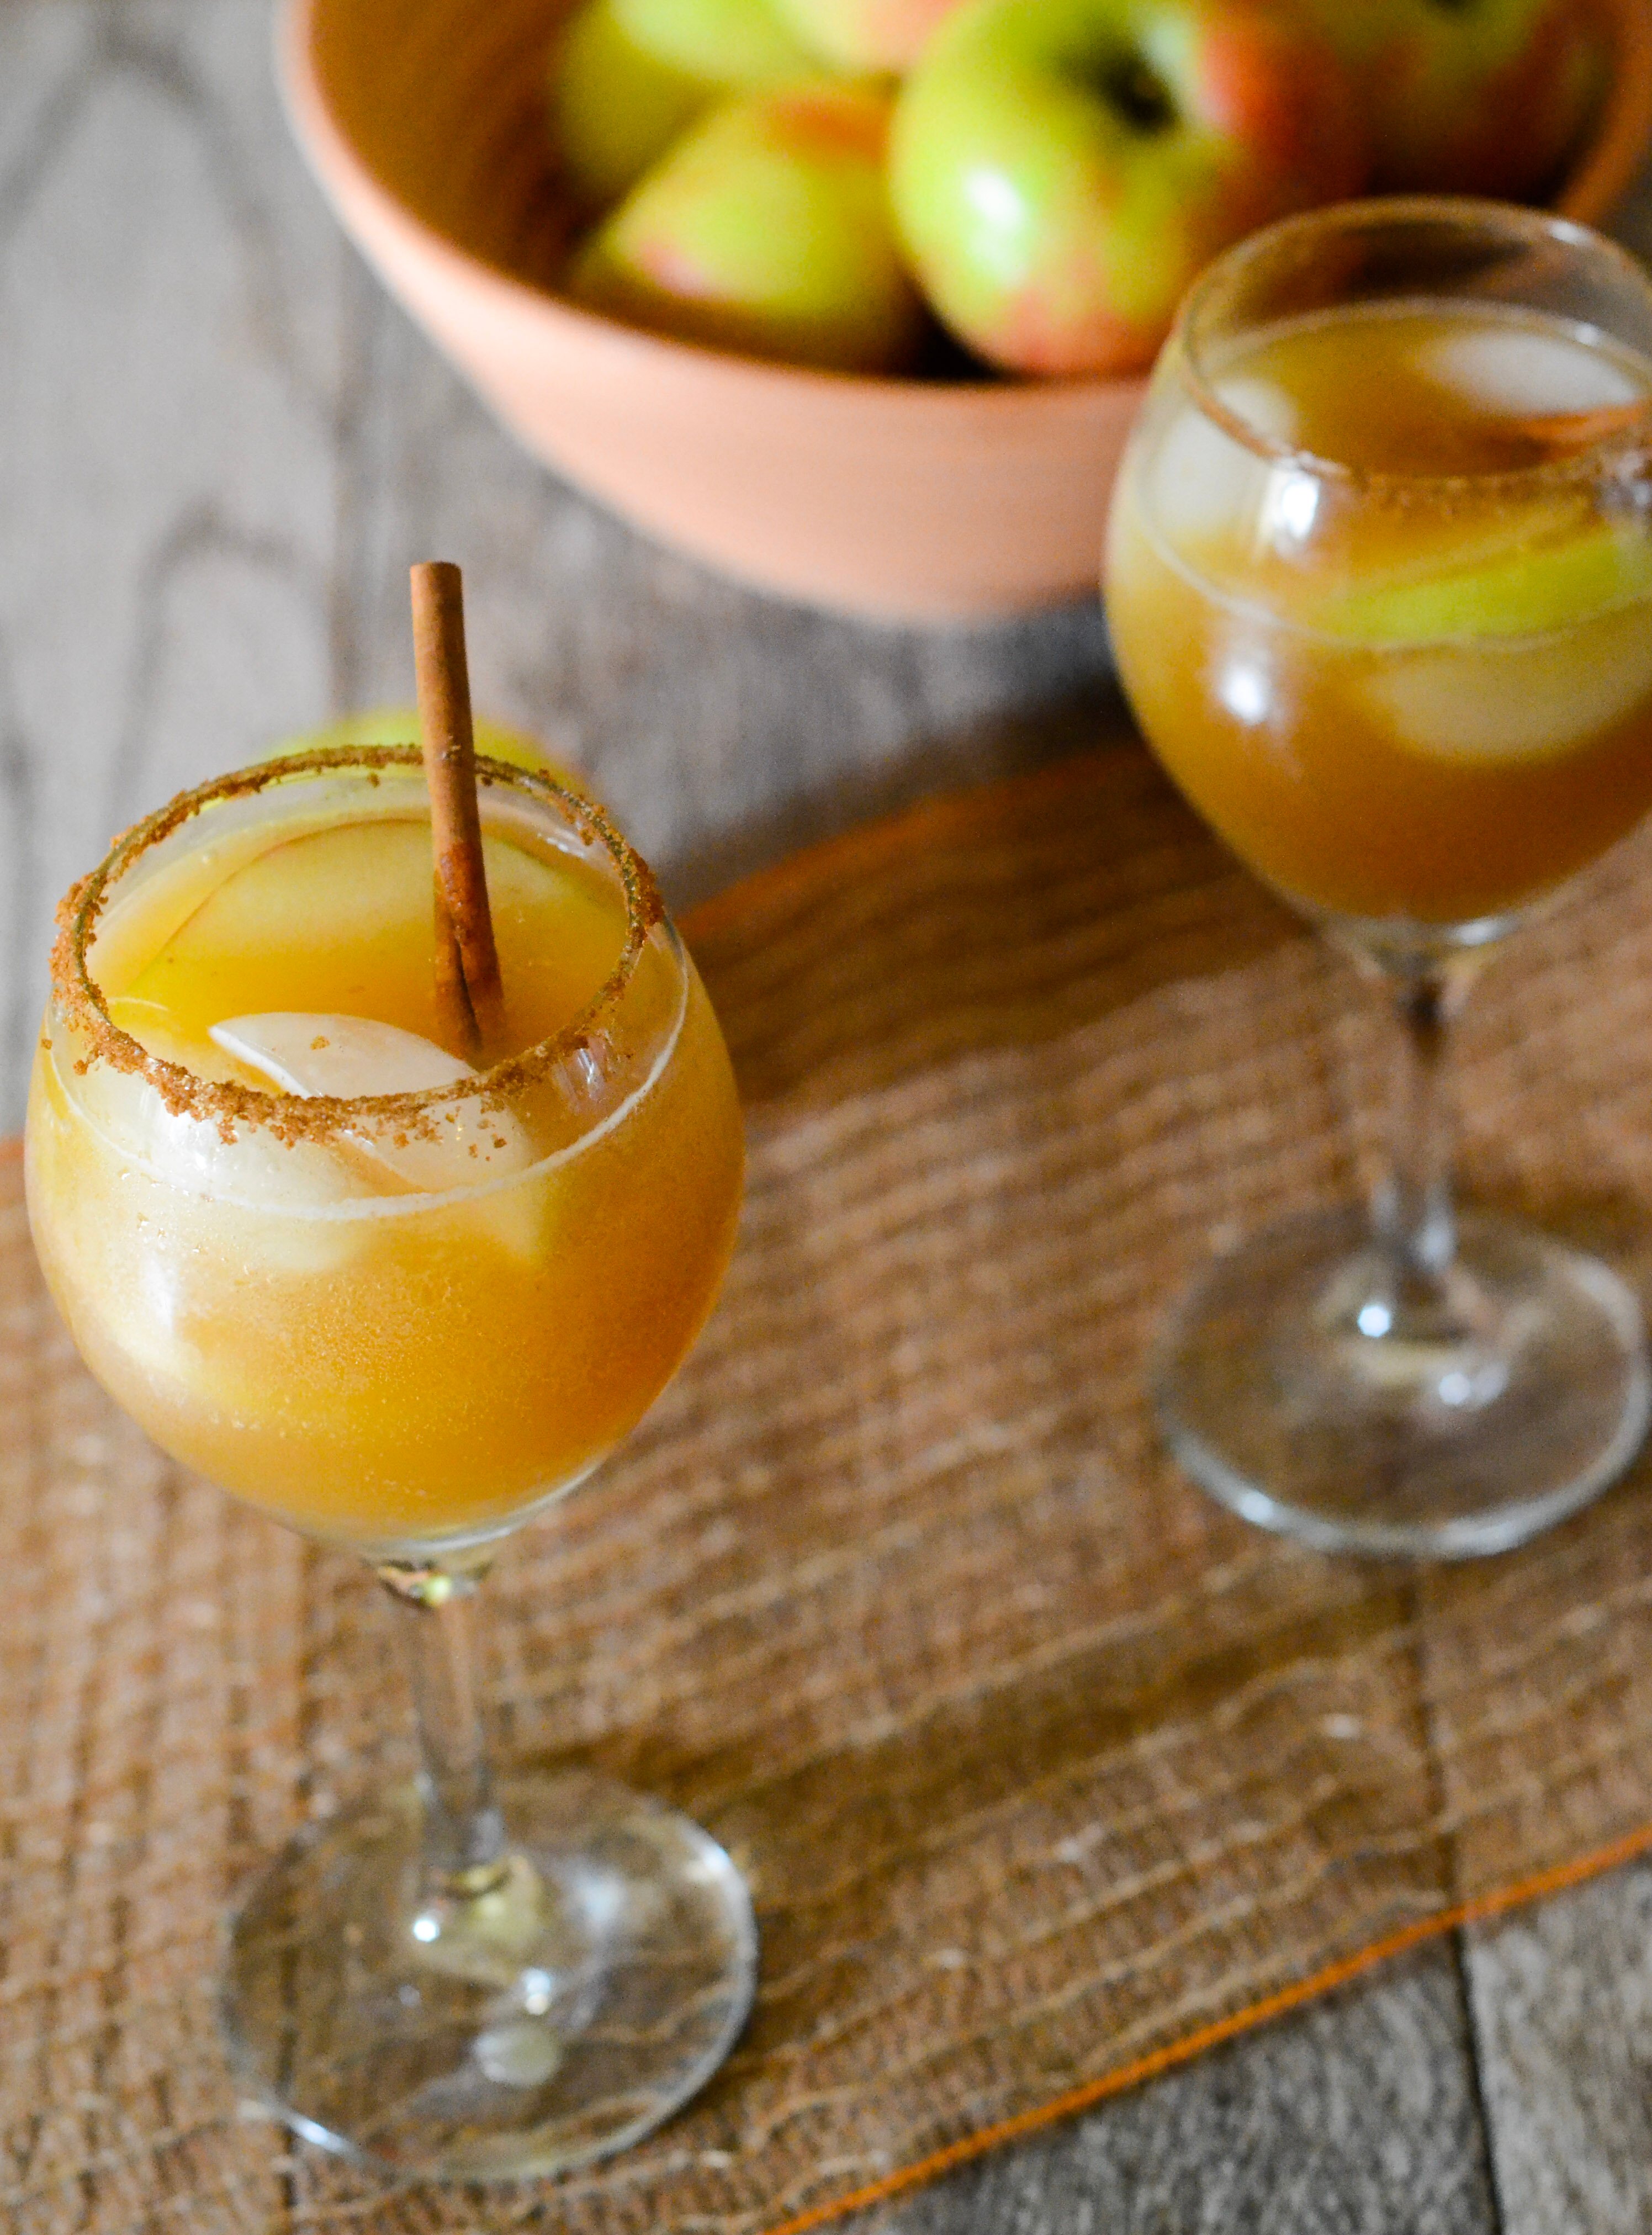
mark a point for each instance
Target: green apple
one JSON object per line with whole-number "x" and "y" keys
{"x": 627, "y": 77}
{"x": 1468, "y": 96}
{"x": 766, "y": 230}
{"x": 866, "y": 34}
{"x": 1526, "y": 590}
{"x": 1060, "y": 169}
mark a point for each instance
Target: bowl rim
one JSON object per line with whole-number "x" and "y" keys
{"x": 1597, "y": 181}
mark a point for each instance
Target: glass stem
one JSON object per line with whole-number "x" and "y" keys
{"x": 464, "y": 1834}
{"x": 1413, "y": 1211}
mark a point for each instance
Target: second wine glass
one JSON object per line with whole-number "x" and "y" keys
{"x": 1380, "y": 582}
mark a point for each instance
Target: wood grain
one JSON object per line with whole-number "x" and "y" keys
{"x": 171, "y": 388}
{"x": 1360, "y": 2116}
{"x": 222, "y": 448}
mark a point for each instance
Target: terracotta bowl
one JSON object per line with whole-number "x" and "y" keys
{"x": 902, "y": 499}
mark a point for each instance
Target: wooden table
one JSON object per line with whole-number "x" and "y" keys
{"x": 220, "y": 446}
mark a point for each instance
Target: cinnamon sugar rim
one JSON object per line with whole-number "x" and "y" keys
{"x": 80, "y": 1002}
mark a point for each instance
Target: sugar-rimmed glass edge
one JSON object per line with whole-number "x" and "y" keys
{"x": 82, "y": 1001}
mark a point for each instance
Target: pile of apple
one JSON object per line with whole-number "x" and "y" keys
{"x": 819, "y": 181}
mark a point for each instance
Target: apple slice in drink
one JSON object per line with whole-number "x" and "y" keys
{"x": 1535, "y": 650}
{"x": 211, "y": 1178}
{"x": 195, "y": 1154}
{"x": 339, "y": 920}
{"x": 308, "y": 1054}
{"x": 311, "y": 1054}
{"x": 1516, "y": 588}
{"x": 1529, "y": 696}
{"x": 343, "y": 911}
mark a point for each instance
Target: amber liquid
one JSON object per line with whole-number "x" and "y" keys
{"x": 1416, "y": 687}
{"x": 383, "y": 1363}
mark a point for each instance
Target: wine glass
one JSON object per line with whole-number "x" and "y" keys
{"x": 1380, "y": 580}
{"x": 401, "y": 1305}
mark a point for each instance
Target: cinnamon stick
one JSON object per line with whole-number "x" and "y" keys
{"x": 467, "y": 961}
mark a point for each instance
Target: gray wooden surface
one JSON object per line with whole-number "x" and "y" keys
{"x": 220, "y": 449}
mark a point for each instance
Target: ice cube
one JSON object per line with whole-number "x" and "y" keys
{"x": 308, "y": 1054}
{"x": 1503, "y": 702}
{"x": 1514, "y": 370}
{"x": 311, "y": 1054}
{"x": 1263, "y": 405}
{"x": 1207, "y": 486}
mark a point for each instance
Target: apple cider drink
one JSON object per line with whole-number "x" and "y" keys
{"x": 384, "y": 1157}
{"x": 397, "y": 1321}
{"x": 1380, "y": 582}
{"x": 1413, "y": 678}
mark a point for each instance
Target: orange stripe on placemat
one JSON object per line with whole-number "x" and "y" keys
{"x": 1141, "y": 2068}
{"x": 12, "y": 1146}
{"x": 930, "y": 824}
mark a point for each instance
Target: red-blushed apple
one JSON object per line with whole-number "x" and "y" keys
{"x": 866, "y": 34}
{"x": 1060, "y": 169}
{"x": 1468, "y": 96}
{"x": 626, "y": 76}
{"x": 765, "y": 229}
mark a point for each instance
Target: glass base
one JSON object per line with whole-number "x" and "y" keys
{"x": 1299, "y": 1389}
{"x": 554, "y": 2014}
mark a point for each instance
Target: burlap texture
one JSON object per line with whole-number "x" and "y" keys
{"x": 1040, "y": 1764}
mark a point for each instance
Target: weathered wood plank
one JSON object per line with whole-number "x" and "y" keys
{"x": 1357, "y": 2117}
{"x": 171, "y": 297}
{"x": 1561, "y": 1998}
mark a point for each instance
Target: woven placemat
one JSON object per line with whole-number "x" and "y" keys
{"x": 1046, "y": 1772}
